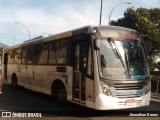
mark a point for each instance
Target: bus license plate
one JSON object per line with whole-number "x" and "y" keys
{"x": 130, "y": 102}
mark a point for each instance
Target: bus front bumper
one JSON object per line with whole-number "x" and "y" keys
{"x": 104, "y": 102}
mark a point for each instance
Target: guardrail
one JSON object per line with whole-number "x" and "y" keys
{"x": 155, "y": 83}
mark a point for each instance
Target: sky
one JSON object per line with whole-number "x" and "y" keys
{"x": 49, "y": 17}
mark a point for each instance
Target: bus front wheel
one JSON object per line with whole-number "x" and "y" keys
{"x": 59, "y": 94}
{"x": 14, "y": 81}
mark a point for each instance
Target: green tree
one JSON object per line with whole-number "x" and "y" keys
{"x": 1, "y": 49}
{"x": 146, "y": 22}
{"x": 158, "y": 65}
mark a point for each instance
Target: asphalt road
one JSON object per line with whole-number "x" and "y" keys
{"x": 23, "y": 100}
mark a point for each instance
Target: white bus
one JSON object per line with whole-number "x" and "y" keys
{"x": 100, "y": 67}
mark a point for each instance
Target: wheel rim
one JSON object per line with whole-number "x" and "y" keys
{"x": 61, "y": 94}
{"x": 14, "y": 82}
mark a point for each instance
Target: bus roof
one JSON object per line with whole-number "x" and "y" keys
{"x": 85, "y": 29}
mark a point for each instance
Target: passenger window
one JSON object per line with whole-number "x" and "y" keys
{"x": 24, "y": 55}
{"x": 90, "y": 63}
{"x": 18, "y": 55}
{"x": 30, "y": 55}
{"x": 58, "y": 52}
{"x": 11, "y": 56}
{"x": 52, "y": 53}
{"x": 62, "y": 52}
{"x": 43, "y": 54}
{"x": 84, "y": 60}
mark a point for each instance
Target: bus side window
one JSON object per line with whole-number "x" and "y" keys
{"x": 86, "y": 60}
{"x": 24, "y": 55}
{"x": 90, "y": 62}
{"x": 84, "y": 56}
{"x": 52, "y": 53}
{"x": 43, "y": 54}
{"x": 58, "y": 52}
{"x": 18, "y": 55}
{"x": 11, "y": 56}
{"x": 30, "y": 57}
{"x": 62, "y": 52}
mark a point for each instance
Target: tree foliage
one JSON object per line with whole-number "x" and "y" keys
{"x": 1, "y": 49}
{"x": 146, "y": 22}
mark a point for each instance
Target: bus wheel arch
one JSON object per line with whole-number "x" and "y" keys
{"x": 14, "y": 80}
{"x": 58, "y": 91}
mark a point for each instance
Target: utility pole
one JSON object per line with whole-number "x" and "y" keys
{"x": 100, "y": 13}
{"x": 25, "y": 28}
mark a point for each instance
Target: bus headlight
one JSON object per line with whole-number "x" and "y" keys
{"x": 147, "y": 88}
{"x": 105, "y": 89}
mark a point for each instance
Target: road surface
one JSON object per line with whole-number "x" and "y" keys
{"x": 21, "y": 101}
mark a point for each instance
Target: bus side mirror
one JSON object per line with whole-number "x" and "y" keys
{"x": 97, "y": 44}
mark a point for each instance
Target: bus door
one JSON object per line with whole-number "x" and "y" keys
{"x": 79, "y": 61}
{"x": 4, "y": 66}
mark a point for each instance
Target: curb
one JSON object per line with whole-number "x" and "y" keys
{"x": 155, "y": 97}
{"x": 155, "y": 100}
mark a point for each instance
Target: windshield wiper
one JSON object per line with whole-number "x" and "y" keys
{"x": 115, "y": 49}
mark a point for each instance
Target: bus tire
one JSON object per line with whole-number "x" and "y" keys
{"x": 14, "y": 81}
{"x": 59, "y": 93}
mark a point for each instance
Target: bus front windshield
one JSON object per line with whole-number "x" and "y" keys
{"x": 122, "y": 59}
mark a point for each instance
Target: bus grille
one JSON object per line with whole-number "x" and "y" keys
{"x": 128, "y": 90}
{"x": 129, "y": 96}
{"x": 128, "y": 86}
